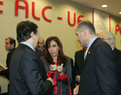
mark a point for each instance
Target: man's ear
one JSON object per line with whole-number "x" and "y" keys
{"x": 12, "y": 45}
{"x": 32, "y": 35}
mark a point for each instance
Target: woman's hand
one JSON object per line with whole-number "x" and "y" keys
{"x": 53, "y": 68}
{"x": 60, "y": 69}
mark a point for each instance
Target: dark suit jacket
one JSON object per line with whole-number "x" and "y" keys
{"x": 99, "y": 75}
{"x": 5, "y": 73}
{"x": 79, "y": 62}
{"x": 27, "y": 73}
{"x": 117, "y": 54}
{"x": 9, "y": 55}
{"x": 40, "y": 52}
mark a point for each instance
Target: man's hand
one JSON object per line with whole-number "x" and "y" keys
{"x": 75, "y": 90}
{"x": 50, "y": 79}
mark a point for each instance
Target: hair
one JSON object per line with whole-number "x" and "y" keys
{"x": 111, "y": 36}
{"x": 43, "y": 43}
{"x": 12, "y": 41}
{"x": 24, "y": 30}
{"x": 61, "y": 56}
{"x": 42, "y": 39}
{"x": 87, "y": 25}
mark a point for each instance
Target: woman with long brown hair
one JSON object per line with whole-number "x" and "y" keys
{"x": 58, "y": 66}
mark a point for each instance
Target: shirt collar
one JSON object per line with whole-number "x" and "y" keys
{"x": 28, "y": 45}
{"x": 90, "y": 43}
{"x": 112, "y": 48}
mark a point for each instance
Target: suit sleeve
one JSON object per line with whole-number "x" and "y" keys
{"x": 105, "y": 70}
{"x": 8, "y": 58}
{"x": 33, "y": 75}
{"x": 76, "y": 65}
{"x": 69, "y": 69}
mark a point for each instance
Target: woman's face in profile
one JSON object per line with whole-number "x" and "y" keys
{"x": 53, "y": 49}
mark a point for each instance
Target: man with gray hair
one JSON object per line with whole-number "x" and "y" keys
{"x": 111, "y": 40}
{"x": 99, "y": 73}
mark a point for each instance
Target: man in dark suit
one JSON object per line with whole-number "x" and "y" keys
{"x": 99, "y": 74}
{"x": 10, "y": 45}
{"x": 110, "y": 39}
{"x": 79, "y": 64}
{"x": 27, "y": 72}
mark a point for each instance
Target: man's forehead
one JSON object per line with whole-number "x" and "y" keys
{"x": 7, "y": 40}
{"x": 40, "y": 40}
